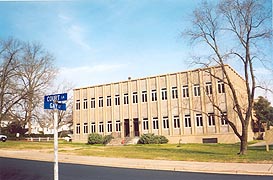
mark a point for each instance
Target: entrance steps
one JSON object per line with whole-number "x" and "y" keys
{"x": 133, "y": 140}
{"x": 123, "y": 141}
{"x": 116, "y": 142}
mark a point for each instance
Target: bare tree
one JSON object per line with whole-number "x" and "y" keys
{"x": 36, "y": 73}
{"x": 234, "y": 31}
{"x": 10, "y": 92}
{"x": 26, "y": 71}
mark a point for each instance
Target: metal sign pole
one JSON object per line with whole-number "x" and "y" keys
{"x": 56, "y": 174}
{"x": 55, "y": 103}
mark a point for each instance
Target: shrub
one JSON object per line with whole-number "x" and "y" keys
{"x": 107, "y": 139}
{"x": 99, "y": 139}
{"x": 163, "y": 140}
{"x": 95, "y": 139}
{"x": 146, "y": 139}
{"x": 152, "y": 139}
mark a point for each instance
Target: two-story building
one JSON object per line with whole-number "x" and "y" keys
{"x": 177, "y": 105}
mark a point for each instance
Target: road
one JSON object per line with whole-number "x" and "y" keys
{"x": 17, "y": 169}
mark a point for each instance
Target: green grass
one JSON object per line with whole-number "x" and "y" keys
{"x": 185, "y": 152}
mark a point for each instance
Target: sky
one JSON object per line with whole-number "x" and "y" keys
{"x": 102, "y": 41}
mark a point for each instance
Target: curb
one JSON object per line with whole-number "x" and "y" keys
{"x": 182, "y": 166}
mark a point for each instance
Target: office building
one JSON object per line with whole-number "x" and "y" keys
{"x": 176, "y": 105}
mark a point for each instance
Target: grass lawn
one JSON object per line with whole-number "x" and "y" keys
{"x": 186, "y": 152}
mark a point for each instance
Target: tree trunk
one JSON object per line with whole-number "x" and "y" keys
{"x": 243, "y": 147}
{"x": 29, "y": 111}
{"x": 29, "y": 122}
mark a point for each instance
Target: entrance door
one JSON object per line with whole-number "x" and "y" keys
{"x": 126, "y": 128}
{"x": 136, "y": 127}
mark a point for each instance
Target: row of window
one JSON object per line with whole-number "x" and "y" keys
{"x": 100, "y": 127}
{"x": 185, "y": 94}
{"x": 155, "y": 123}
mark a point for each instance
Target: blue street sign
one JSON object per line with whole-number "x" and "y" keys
{"x": 56, "y": 97}
{"x": 61, "y": 106}
{"x": 51, "y": 105}
{"x": 54, "y": 101}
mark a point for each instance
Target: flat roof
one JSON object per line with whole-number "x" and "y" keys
{"x": 197, "y": 69}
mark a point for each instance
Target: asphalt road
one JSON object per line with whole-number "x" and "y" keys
{"x": 16, "y": 169}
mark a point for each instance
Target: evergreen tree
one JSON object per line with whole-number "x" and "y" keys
{"x": 263, "y": 111}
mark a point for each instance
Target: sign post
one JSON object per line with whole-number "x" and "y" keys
{"x": 268, "y": 138}
{"x": 54, "y": 102}
{"x": 56, "y": 168}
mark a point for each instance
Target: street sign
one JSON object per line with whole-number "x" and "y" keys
{"x": 61, "y": 106}
{"x": 55, "y": 101}
{"x": 56, "y": 97}
{"x": 52, "y": 105}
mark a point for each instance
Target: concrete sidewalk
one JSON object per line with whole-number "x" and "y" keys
{"x": 207, "y": 167}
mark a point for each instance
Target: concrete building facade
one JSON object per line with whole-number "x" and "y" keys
{"x": 177, "y": 105}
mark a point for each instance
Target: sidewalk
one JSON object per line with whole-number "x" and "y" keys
{"x": 206, "y": 167}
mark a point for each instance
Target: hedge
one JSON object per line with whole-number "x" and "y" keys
{"x": 99, "y": 139}
{"x": 152, "y": 139}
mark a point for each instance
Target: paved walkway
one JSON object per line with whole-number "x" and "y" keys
{"x": 262, "y": 143}
{"x": 207, "y": 167}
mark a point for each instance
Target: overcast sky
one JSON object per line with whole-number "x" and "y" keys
{"x": 102, "y": 41}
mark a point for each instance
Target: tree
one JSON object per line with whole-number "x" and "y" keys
{"x": 36, "y": 73}
{"x": 14, "y": 127}
{"x": 26, "y": 71}
{"x": 234, "y": 31}
{"x": 10, "y": 92}
{"x": 263, "y": 112}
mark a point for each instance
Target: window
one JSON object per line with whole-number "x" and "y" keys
{"x": 126, "y": 99}
{"x": 224, "y": 118}
{"x": 85, "y": 104}
{"x": 78, "y": 104}
{"x": 199, "y": 120}
{"x": 176, "y": 122}
{"x": 101, "y": 127}
{"x": 155, "y": 123}
{"x": 93, "y": 102}
{"x": 109, "y": 126}
{"x": 100, "y": 101}
{"x": 208, "y": 88}
{"x": 174, "y": 93}
{"x": 211, "y": 119}
{"x": 187, "y": 121}
{"x": 85, "y": 128}
{"x": 185, "y": 91}
{"x": 196, "y": 90}
{"x": 117, "y": 100}
{"x": 145, "y": 124}
{"x": 144, "y": 96}
{"x": 135, "y": 97}
{"x": 93, "y": 127}
{"x": 154, "y": 96}
{"x": 165, "y": 123}
{"x": 78, "y": 128}
{"x": 108, "y": 101}
{"x": 118, "y": 126}
{"x": 164, "y": 93}
{"x": 221, "y": 87}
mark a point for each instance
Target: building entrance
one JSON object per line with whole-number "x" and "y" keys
{"x": 126, "y": 128}
{"x": 136, "y": 127}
